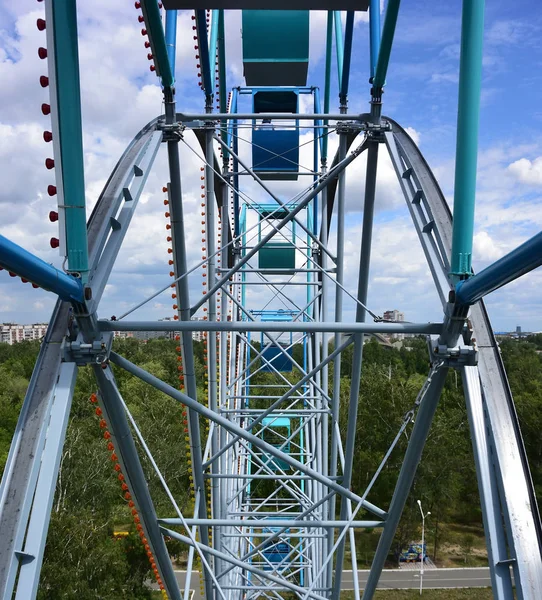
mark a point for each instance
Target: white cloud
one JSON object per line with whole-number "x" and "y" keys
{"x": 485, "y": 248}
{"x": 414, "y": 134}
{"x": 527, "y": 171}
{"x": 120, "y": 94}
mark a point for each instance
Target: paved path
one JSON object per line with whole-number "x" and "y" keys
{"x": 405, "y": 578}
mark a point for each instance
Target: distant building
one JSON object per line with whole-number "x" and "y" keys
{"x": 123, "y": 334}
{"x": 198, "y": 336}
{"x": 154, "y": 335}
{"x": 11, "y": 333}
{"x": 395, "y": 316}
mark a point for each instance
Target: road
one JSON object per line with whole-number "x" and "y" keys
{"x": 395, "y": 579}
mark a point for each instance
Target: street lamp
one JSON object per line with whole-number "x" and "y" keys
{"x": 423, "y": 543}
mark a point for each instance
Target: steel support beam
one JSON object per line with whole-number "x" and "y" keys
{"x": 357, "y": 359}
{"x": 31, "y": 554}
{"x": 131, "y": 467}
{"x": 23, "y": 462}
{"x": 267, "y": 575}
{"x": 236, "y": 430}
{"x": 518, "y": 498}
{"x": 265, "y": 523}
{"x": 362, "y": 118}
{"x": 272, "y": 326}
{"x": 499, "y": 567}
{"x": 131, "y": 192}
{"x": 420, "y": 431}
{"x": 187, "y": 345}
{"x": 212, "y": 355}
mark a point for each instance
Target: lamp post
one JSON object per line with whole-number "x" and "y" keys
{"x": 423, "y": 544}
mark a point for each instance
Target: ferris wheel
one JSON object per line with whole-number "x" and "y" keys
{"x": 271, "y": 461}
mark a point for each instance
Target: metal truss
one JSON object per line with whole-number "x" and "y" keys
{"x": 270, "y": 429}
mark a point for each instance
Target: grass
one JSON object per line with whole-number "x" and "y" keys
{"x": 458, "y": 594}
{"x": 462, "y": 546}
{"x": 459, "y": 546}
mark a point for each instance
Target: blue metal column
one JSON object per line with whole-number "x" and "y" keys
{"x": 339, "y": 43}
{"x": 384, "y": 52}
{"x": 520, "y": 261}
{"x": 213, "y": 43}
{"x": 345, "y": 77}
{"x": 204, "y": 58}
{"x": 171, "y": 39}
{"x": 17, "y": 260}
{"x": 327, "y": 84}
{"x": 374, "y": 32}
{"x": 470, "y": 83}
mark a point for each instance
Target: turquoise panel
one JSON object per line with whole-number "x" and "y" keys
{"x": 277, "y": 255}
{"x": 275, "y": 47}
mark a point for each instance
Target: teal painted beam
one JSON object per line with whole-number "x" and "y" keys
{"x": 327, "y": 84}
{"x": 70, "y": 142}
{"x": 155, "y": 32}
{"x": 222, "y": 86}
{"x": 339, "y": 43}
{"x": 386, "y": 43}
{"x": 213, "y": 43}
{"x": 374, "y": 32}
{"x": 468, "y": 113}
{"x": 171, "y": 38}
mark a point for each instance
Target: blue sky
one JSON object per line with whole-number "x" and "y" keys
{"x": 120, "y": 94}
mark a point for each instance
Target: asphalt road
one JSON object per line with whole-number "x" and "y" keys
{"x": 394, "y": 579}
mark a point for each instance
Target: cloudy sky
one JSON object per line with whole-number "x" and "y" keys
{"x": 120, "y": 95}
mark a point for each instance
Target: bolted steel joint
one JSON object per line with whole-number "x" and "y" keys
{"x": 461, "y": 355}
{"x": 84, "y": 353}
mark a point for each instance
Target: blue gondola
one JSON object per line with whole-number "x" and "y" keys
{"x": 276, "y": 359}
{"x": 276, "y": 550}
{"x": 275, "y": 148}
{"x": 276, "y": 431}
{"x": 279, "y": 252}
